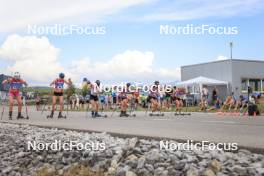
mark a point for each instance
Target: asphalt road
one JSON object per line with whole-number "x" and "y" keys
{"x": 246, "y": 131}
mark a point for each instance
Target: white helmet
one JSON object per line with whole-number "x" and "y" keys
{"x": 16, "y": 75}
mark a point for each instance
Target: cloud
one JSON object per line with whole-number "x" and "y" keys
{"x": 38, "y": 61}
{"x": 18, "y": 14}
{"x": 131, "y": 65}
{"x": 221, "y": 57}
{"x": 192, "y": 9}
{"x": 35, "y": 57}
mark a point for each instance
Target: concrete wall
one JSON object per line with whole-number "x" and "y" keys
{"x": 221, "y": 70}
{"x": 231, "y": 71}
{"x": 245, "y": 69}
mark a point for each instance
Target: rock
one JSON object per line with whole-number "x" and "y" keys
{"x": 132, "y": 157}
{"x": 208, "y": 172}
{"x": 179, "y": 165}
{"x": 141, "y": 162}
{"x": 260, "y": 171}
{"x": 244, "y": 151}
{"x": 239, "y": 170}
{"x": 149, "y": 167}
{"x": 158, "y": 171}
{"x": 130, "y": 173}
{"x": 192, "y": 172}
{"x": 153, "y": 156}
{"x": 132, "y": 143}
{"x": 216, "y": 166}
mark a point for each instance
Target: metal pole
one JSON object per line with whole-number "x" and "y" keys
{"x": 231, "y": 50}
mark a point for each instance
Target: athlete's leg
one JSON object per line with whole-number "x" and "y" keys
{"x": 11, "y": 103}
{"x": 54, "y": 101}
{"x": 19, "y": 103}
{"x": 61, "y": 103}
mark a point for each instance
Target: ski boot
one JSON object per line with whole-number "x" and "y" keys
{"x": 61, "y": 116}
{"x": 93, "y": 114}
{"x": 51, "y": 115}
{"x": 19, "y": 116}
{"x": 10, "y": 115}
{"x": 96, "y": 114}
{"x": 124, "y": 114}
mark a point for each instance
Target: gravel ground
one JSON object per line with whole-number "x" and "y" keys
{"x": 114, "y": 156}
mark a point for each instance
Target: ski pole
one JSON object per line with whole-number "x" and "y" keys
{"x": 3, "y": 110}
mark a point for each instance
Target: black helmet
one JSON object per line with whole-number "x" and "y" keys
{"x": 85, "y": 80}
{"x": 128, "y": 84}
{"x": 156, "y": 82}
{"x": 98, "y": 82}
{"x": 61, "y": 75}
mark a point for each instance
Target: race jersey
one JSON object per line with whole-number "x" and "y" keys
{"x": 15, "y": 85}
{"x": 59, "y": 83}
{"x": 95, "y": 89}
{"x": 154, "y": 92}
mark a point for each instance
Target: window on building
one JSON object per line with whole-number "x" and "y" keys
{"x": 255, "y": 84}
{"x": 244, "y": 85}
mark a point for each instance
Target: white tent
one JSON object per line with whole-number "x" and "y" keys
{"x": 202, "y": 81}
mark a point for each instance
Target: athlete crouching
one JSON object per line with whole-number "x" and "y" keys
{"x": 58, "y": 94}
{"x": 178, "y": 100}
{"x": 16, "y": 83}
{"x": 153, "y": 97}
{"x": 124, "y": 100}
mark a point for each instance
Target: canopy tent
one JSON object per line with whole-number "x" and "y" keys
{"x": 202, "y": 81}
{"x": 196, "y": 85}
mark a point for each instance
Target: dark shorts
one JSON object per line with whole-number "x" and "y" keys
{"x": 58, "y": 94}
{"x": 151, "y": 98}
{"x": 114, "y": 100}
{"x": 94, "y": 97}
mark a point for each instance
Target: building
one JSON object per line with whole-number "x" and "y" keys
{"x": 238, "y": 73}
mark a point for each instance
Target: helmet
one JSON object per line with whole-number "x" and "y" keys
{"x": 128, "y": 84}
{"x": 16, "y": 75}
{"x": 156, "y": 82}
{"x": 61, "y": 75}
{"x": 98, "y": 82}
{"x": 85, "y": 80}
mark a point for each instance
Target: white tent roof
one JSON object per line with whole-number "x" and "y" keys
{"x": 202, "y": 81}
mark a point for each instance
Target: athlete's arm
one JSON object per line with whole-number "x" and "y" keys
{"x": 68, "y": 82}
{"x": 5, "y": 81}
{"x": 24, "y": 82}
{"x": 52, "y": 83}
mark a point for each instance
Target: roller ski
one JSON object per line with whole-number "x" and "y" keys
{"x": 51, "y": 115}
{"x": 96, "y": 114}
{"x": 156, "y": 114}
{"x": 61, "y": 116}
{"x": 179, "y": 113}
{"x": 19, "y": 116}
{"x": 123, "y": 114}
